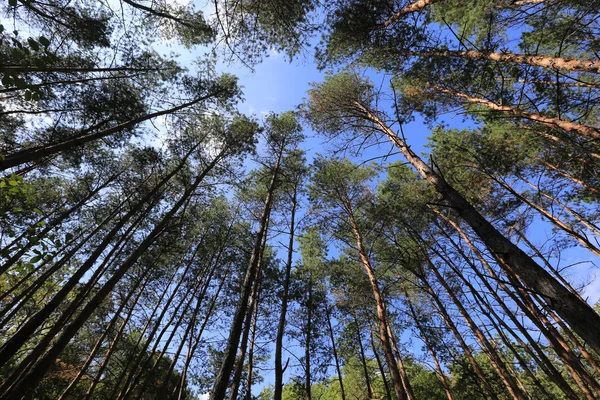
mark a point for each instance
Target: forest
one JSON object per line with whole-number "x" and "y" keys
{"x": 422, "y": 223}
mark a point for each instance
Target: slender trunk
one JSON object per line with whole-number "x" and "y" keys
{"x": 239, "y": 367}
{"x": 363, "y": 359}
{"x": 113, "y": 344}
{"x": 143, "y": 281}
{"x": 489, "y": 312}
{"x": 423, "y": 334}
{"x": 30, "y": 381}
{"x": 284, "y": 304}
{"x": 248, "y": 389}
{"x": 222, "y": 378}
{"x": 403, "y": 375}
{"x": 37, "y": 153}
{"x": 538, "y": 355}
{"x": 554, "y": 220}
{"x": 399, "y": 389}
{"x": 453, "y": 328}
{"x": 335, "y": 354}
{"x": 555, "y": 63}
{"x": 571, "y": 127}
{"x": 181, "y": 384}
{"x": 516, "y": 263}
{"x": 30, "y": 327}
{"x": 570, "y": 177}
{"x": 489, "y": 350}
{"x": 307, "y": 372}
{"x": 12, "y": 345}
{"x": 53, "y": 224}
{"x": 386, "y": 386}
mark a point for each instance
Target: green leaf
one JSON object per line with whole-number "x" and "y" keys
{"x": 35, "y": 96}
{"x": 12, "y": 3}
{"x": 27, "y": 95}
{"x": 35, "y": 259}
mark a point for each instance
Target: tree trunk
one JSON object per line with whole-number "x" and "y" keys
{"x": 453, "y": 328}
{"x": 37, "y": 153}
{"x": 516, "y": 263}
{"x": 30, "y": 382}
{"x": 335, "y": 355}
{"x": 571, "y": 127}
{"x": 363, "y": 359}
{"x": 381, "y": 312}
{"x": 555, "y": 63}
{"x": 506, "y": 377}
{"x": 284, "y": 304}
{"x": 438, "y": 367}
{"x": 386, "y": 386}
{"x": 222, "y": 378}
{"x": 253, "y": 302}
{"x": 538, "y": 355}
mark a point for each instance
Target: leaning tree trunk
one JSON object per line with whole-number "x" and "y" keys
{"x": 284, "y": 305}
{"x": 380, "y": 305}
{"x": 568, "y": 126}
{"x": 579, "y": 315}
{"x": 335, "y": 354}
{"x": 555, "y": 63}
{"x": 32, "y": 379}
{"x": 222, "y": 378}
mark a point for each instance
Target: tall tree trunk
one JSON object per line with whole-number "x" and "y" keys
{"x": 386, "y": 386}
{"x": 31, "y": 380}
{"x": 37, "y": 153}
{"x": 248, "y": 389}
{"x": 63, "y": 216}
{"x": 571, "y": 127}
{"x": 284, "y": 303}
{"x": 335, "y": 354}
{"x": 309, "y": 309}
{"x": 423, "y": 333}
{"x": 490, "y": 351}
{"x": 538, "y": 355}
{"x": 143, "y": 281}
{"x": 115, "y": 340}
{"x": 381, "y": 311}
{"x": 252, "y": 303}
{"x": 363, "y": 359}
{"x": 453, "y": 328}
{"x": 556, "y": 63}
{"x": 181, "y": 384}
{"x": 12, "y": 345}
{"x": 516, "y": 263}
{"x": 222, "y": 378}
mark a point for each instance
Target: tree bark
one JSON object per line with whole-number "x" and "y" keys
{"x": 335, "y": 354}
{"x": 222, "y": 378}
{"x": 568, "y": 126}
{"x": 380, "y": 304}
{"x": 31, "y": 380}
{"x": 284, "y": 304}
{"x": 579, "y": 315}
